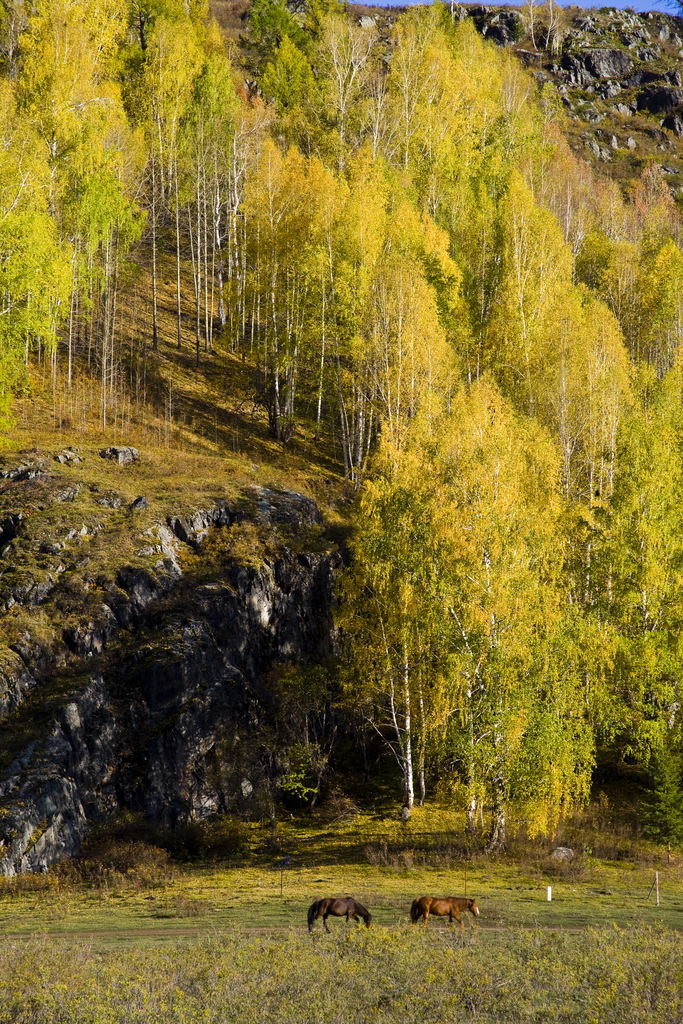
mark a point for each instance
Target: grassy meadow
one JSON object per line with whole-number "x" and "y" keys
{"x": 138, "y": 937}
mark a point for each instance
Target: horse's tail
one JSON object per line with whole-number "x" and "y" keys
{"x": 415, "y": 911}
{"x": 312, "y": 913}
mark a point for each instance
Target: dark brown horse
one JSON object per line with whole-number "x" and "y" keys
{"x": 442, "y": 905}
{"x": 339, "y": 907}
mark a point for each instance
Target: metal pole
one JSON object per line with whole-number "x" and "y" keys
{"x": 657, "y": 885}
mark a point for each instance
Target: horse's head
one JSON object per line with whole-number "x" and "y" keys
{"x": 367, "y": 919}
{"x": 474, "y": 908}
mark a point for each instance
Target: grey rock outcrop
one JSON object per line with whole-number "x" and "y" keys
{"x": 194, "y": 529}
{"x": 171, "y": 726}
{"x": 15, "y": 683}
{"x": 50, "y": 792}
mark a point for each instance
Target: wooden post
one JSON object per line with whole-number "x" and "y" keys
{"x": 465, "y": 874}
{"x": 282, "y": 871}
{"x": 657, "y": 885}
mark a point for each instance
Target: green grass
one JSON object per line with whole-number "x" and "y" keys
{"x": 207, "y": 898}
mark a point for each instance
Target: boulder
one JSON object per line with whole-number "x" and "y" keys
{"x": 662, "y": 100}
{"x": 646, "y": 53}
{"x": 606, "y": 63}
{"x": 124, "y": 456}
{"x": 405, "y": 814}
{"x": 674, "y": 124}
{"x": 563, "y": 853}
{"x": 286, "y": 508}
{"x": 139, "y": 504}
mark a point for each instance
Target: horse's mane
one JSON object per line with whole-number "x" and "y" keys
{"x": 361, "y": 909}
{"x": 312, "y": 910}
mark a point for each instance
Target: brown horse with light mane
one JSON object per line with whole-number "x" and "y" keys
{"x": 440, "y": 906}
{"x": 338, "y": 907}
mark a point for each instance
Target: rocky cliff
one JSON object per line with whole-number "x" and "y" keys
{"x": 145, "y": 686}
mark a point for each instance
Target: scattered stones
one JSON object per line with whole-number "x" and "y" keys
{"x": 32, "y": 469}
{"x": 110, "y": 500}
{"x": 646, "y": 53}
{"x": 631, "y": 143}
{"x": 367, "y": 22}
{"x": 139, "y": 504}
{"x": 50, "y": 548}
{"x": 124, "y": 456}
{"x": 613, "y": 142}
{"x": 68, "y": 457}
{"x": 68, "y": 494}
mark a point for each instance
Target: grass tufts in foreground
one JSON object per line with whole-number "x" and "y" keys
{"x": 604, "y": 975}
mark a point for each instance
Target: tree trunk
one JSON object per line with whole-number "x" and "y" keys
{"x": 177, "y": 255}
{"x": 410, "y": 794}
{"x": 154, "y": 261}
{"x": 497, "y": 840}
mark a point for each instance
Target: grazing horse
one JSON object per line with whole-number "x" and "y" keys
{"x": 440, "y": 906}
{"x": 338, "y": 907}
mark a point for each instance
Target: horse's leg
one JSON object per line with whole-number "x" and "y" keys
{"x": 426, "y": 915}
{"x": 462, "y": 924}
{"x": 325, "y": 923}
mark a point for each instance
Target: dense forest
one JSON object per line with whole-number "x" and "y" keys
{"x": 395, "y": 237}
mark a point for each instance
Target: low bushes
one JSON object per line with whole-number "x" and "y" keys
{"x": 352, "y": 976}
